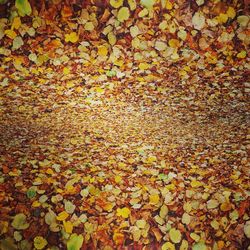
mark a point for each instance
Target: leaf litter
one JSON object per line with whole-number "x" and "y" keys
{"x": 124, "y": 124}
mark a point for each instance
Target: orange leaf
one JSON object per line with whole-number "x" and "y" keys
{"x": 118, "y": 238}
{"x": 66, "y": 11}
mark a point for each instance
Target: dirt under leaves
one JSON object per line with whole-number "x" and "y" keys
{"x": 124, "y": 125}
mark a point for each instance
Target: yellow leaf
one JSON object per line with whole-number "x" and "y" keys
{"x": 62, "y": 216}
{"x": 112, "y": 38}
{"x": 186, "y": 218}
{"x": 3, "y": 227}
{"x": 89, "y": 26}
{"x": 143, "y": 12}
{"x": 168, "y": 246}
{"x": 154, "y": 199}
{"x": 121, "y": 165}
{"x": 123, "y": 14}
{"x": 72, "y": 37}
{"x": 184, "y": 245}
{"x": 49, "y": 171}
{"x": 36, "y": 204}
{"x": 143, "y": 66}
{"x": 222, "y": 18}
{"x": 215, "y": 224}
{"x": 132, "y": 4}
{"x": 123, "y": 212}
{"x": 66, "y": 71}
{"x": 108, "y": 206}
{"x": 195, "y": 184}
{"x": 170, "y": 186}
{"x": 118, "y": 238}
{"x": 175, "y": 235}
{"x": 151, "y": 158}
{"x": 141, "y": 224}
{"x": 242, "y": 54}
{"x": 70, "y": 84}
{"x": 16, "y": 23}
{"x": 10, "y": 33}
{"x": 99, "y": 90}
{"x": 169, "y": 5}
{"x": 182, "y": 34}
{"x": 118, "y": 179}
{"x": 102, "y": 50}
{"x": 68, "y": 226}
{"x": 40, "y": 242}
{"x": 195, "y": 237}
{"x": 174, "y": 43}
{"x": 231, "y": 12}
{"x": 79, "y": 89}
{"x": 226, "y": 206}
{"x": 116, "y": 3}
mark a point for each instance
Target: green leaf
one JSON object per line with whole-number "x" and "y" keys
{"x": 111, "y": 73}
{"x": 23, "y": 7}
{"x": 20, "y": 222}
{"x": 163, "y": 176}
{"x": 25, "y": 245}
{"x": 148, "y": 3}
{"x": 199, "y": 246}
{"x": 75, "y": 242}
{"x": 31, "y": 192}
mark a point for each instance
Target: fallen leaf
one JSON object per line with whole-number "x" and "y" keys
{"x": 62, "y": 216}
{"x": 23, "y": 7}
{"x": 141, "y": 223}
{"x": 154, "y": 199}
{"x": 10, "y": 33}
{"x": 199, "y": 246}
{"x": 116, "y": 3}
{"x": 75, "y": 242}
{"x": 40, "y": 242}
{"x": 242, "y": 54}
{"x": 175, "y": 235}
{"x": 247, "y": 229}
{"x": 225, "y": 206}
{"x": 198, "y": 20}
{"x": 123, "y": 212}
{"x": 118, "y": 238}
{"x": 68, "y": 226}
{"x": 195, "y": 184}
{"x": 19, "y": 222}
{"x": 186, "y": 218}
{"x": 71, "y": 37}
{"x": 16, "y": 23}
{"x": 17, "y": 43}
{"x": 212, "y": 204}
{"x": 168, "y": 246}
{"x": 123, "y": 14}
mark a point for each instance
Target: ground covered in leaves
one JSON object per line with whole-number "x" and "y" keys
{"x": 124, "y": 125}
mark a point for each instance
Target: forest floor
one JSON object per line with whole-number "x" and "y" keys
{"x": 124, "y": 125}
{"x": 125, "y": 162}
